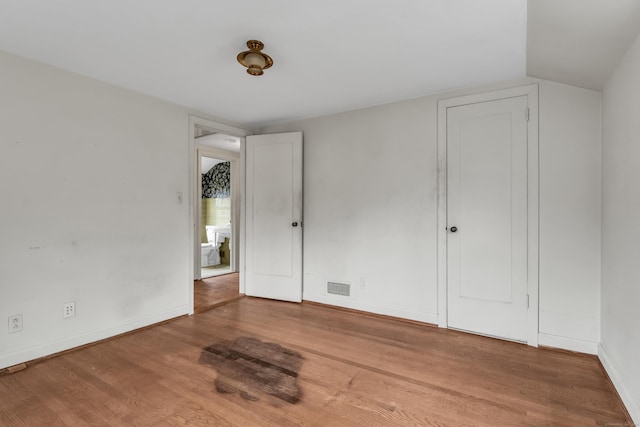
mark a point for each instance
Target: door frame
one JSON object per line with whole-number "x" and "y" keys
{"x": 195, "y": 192}
{"x": 531, "y": 92}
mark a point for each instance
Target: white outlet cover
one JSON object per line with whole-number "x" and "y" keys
{"x": 15, "y": 323}
{"x": 69, "y": 310}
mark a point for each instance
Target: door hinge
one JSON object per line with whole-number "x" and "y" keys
{"x": 526, "y": 114}
{"x": 527, "y": 301}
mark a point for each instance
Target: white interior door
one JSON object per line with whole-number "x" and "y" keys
{"x": 487, "y": 218}
{"x": 274, "y": 216}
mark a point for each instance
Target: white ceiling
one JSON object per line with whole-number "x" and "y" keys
{"x": 220, "y": 140}
{"x": 579, "y": 42}
{"x": 329, "y": 56}
{"x": 206, "y": 163}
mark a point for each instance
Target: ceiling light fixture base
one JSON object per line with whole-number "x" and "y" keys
{"x": 254, "y": 59}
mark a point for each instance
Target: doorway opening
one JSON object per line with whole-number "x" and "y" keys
{"x": 216, "y": 209}
{"x": 215, "y": 217}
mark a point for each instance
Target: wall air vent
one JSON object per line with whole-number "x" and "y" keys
{"x": 339, "y": 289}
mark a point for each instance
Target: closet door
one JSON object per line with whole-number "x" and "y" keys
{"x": 487, "y": 218}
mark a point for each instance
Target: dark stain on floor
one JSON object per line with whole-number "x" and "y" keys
{"x": 252, "y": 367}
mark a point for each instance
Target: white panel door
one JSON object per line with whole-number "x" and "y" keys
{"x": 274, "y": 216}
{"x": 487, "y": 218}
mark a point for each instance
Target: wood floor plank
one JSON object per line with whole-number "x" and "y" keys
{"x": 468, "y": 352}
{"x": 355, "y": 370}
{"x": 214, "y": 291}
{"x": 32, "y": 406}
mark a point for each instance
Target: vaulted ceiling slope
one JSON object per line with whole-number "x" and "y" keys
{"x": 330, "y": 56}
{"x": 579, "y": 42}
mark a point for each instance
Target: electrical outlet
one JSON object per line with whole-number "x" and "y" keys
{"x": 363, "y": 283}
{"x": 69, "y": 309}
{"x": 15, "y": 323}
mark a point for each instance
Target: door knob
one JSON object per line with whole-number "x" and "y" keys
{"x": 294, "y": 224}
{"x": 454, "y": 229}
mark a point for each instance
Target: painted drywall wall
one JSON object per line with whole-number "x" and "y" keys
{"x": 370, "y": 209}
{"x": 620, "y": 349}
{"x": 570, "y": 205}
{"x": 113, "y": 237}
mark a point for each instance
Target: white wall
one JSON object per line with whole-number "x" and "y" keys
{"x": 88, "y": 177}
{"x": 570, "y": 204}
{"x": 620, "y": 350}
{"x": 370, "y": 210}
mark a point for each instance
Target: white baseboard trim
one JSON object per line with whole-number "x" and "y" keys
{"x": 631, "y": 402}
{"x": 402, "y": 314}
{"x": 41, "y": 350}
{"x": 565, "y": 343}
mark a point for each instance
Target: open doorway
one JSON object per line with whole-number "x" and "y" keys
{"x": 216, "y": 210}
{"x": 215, "y": 217}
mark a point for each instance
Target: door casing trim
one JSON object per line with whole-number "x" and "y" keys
{"x": 193, "y": 215}
{"x": 531, "y": 92}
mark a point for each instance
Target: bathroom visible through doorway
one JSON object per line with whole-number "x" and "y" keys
{"x": 217, "y": 204}
{"x": 215, "y": 217}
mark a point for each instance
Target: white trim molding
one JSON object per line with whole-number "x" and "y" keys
{"x": 37, "y": 351}
{"x": 430, "y": 319}
{"x": 531, "y": 92}
{"x": 565, "y": 343}
{"x": 630, "y": 402}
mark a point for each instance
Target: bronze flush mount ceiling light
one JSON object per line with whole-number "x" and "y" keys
{"x": 254, "y": 59}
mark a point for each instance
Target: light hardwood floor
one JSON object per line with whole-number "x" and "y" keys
{"x": 343, "y": 368}
{"x": 214, "y": 291}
